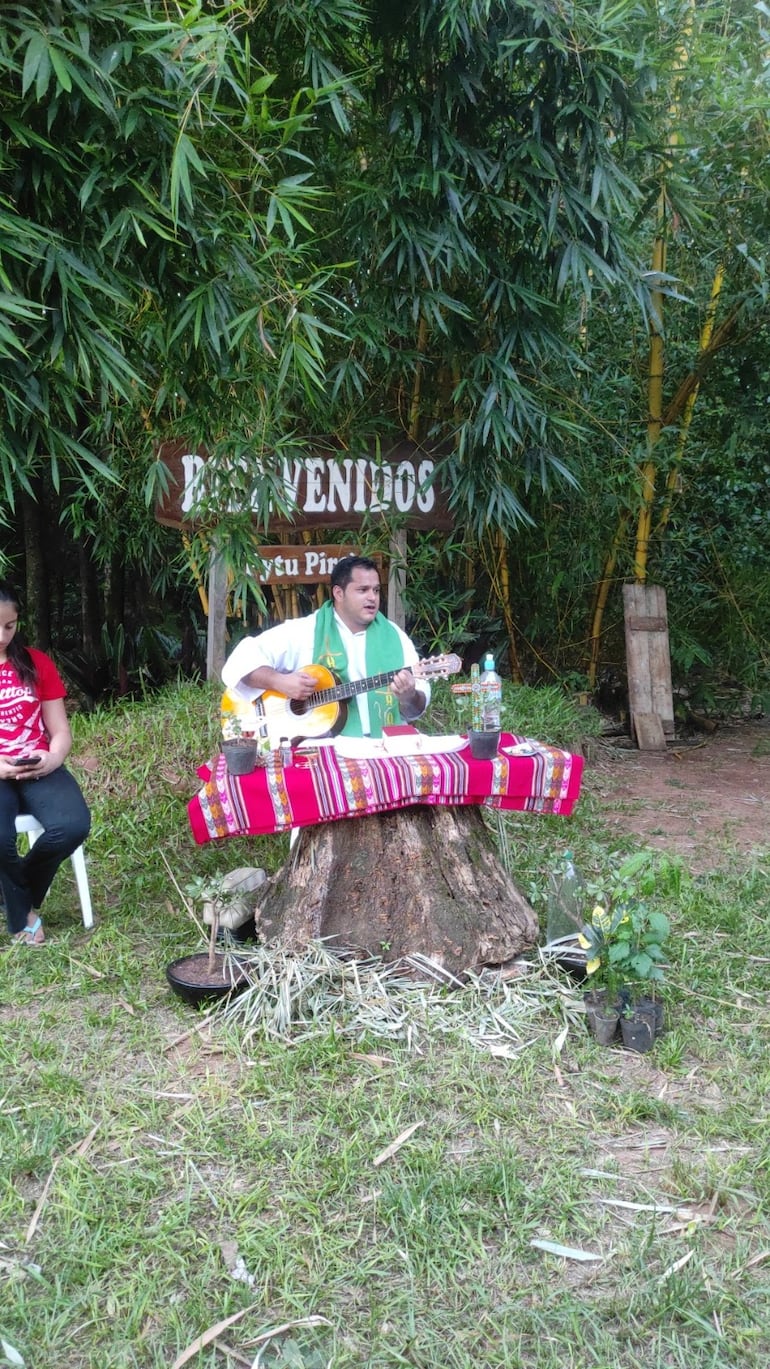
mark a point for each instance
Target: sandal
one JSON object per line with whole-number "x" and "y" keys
{"x": 32, "y": 935}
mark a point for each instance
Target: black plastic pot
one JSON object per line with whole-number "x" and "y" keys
{"x": 604, "y": 1025}
{"x": 484, "y": 745}
{"x": 191, "y": 981}
{"x": 240, "y": 756}
{"x": 653, "y": 1009}
{"x": 638, "y": 1032}
{"x": 572, "y": 961}
{"x": 603, "y": 1014}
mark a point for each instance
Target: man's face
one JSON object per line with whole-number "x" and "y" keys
{"x": 359, "y": 602}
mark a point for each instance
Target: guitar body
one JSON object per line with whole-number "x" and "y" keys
{"x": 301, "y": 721}
{"x": 325, "y": 712}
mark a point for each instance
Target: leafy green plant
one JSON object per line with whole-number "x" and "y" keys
{"x": 625, "y": 937}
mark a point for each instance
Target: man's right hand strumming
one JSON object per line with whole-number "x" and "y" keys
{"x": 295, "y": 684}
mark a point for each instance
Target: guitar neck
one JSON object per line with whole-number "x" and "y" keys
{"x": 351, "y": 688}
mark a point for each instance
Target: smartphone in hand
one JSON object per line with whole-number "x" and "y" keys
{"x": 27, "y": 762}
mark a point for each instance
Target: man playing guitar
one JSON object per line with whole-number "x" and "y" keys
{"x": 354, "y": 644}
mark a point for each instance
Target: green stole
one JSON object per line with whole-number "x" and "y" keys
{"x": 384, "y": 652}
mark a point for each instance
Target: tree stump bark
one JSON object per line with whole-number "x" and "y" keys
{"x": 418, "y": 881}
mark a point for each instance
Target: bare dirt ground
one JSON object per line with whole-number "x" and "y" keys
{"x": 700, "y": 799}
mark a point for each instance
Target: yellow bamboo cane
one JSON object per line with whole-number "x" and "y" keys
{"x": 707, "y": 332}
{"x": 504, "y": 575}
{"x": 601, "y": 597}
{"x": 648, "y": 469}
{"x": 414, "y": 407}
{"x": 654, "y": 404}
{"x": 200, "y": 583}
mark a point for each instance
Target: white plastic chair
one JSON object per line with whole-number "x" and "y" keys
{"x": 33, "y": 829}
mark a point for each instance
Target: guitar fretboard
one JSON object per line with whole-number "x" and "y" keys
{"x": 350, "y": 689}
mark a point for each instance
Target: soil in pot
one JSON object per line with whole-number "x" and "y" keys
{"x": 194, "y": 983}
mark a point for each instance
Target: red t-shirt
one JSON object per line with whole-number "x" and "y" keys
{"x": 21, "y": 717}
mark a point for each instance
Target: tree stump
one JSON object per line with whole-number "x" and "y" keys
{"x": 418, "y": 881}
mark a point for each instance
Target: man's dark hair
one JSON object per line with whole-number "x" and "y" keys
{"x": 343, "y": 571}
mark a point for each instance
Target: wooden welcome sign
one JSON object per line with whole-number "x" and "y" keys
{"x": 328, "y": 488}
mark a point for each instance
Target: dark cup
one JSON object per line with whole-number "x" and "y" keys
{"x": 484, "y": 745}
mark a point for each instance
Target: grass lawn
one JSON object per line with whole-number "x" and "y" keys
{"x": 167, "y": 1179}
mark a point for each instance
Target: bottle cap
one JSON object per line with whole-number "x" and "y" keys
{"x": 489, "y": 661}
{"x": 568, "y": 855}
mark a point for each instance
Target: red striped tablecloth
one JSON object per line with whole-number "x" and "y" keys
{"x": 277, "y": 797}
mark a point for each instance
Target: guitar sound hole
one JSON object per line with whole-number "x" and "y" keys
{"x": 298, "y": 707}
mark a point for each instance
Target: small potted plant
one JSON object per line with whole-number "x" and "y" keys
{"x": 603, "y": 1001}
{"x": 239, "y": 735}
{"x": 624, "y": 943}
{"x": 207, "y": 975}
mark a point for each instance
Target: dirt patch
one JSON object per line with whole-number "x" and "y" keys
{"x": 700, "y": 799}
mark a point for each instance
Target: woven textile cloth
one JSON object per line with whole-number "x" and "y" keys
{"x": 277, "y": 797}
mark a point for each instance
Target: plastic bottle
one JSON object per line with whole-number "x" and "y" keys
{"x": 491, "y": 695}
{"x": 566, "y": 902}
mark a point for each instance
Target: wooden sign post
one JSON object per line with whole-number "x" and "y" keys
{"x": 216, "y": 621}
{"x": 650, "y": 695}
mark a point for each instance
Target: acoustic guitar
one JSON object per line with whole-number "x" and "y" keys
{"x": 325, "y": 711}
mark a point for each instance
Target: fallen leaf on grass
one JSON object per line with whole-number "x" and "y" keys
{"x": 89, "y": 969}
{"x": 677, "y": 1265}
{"x": 285, "y": 1326}
{"x": 396, "y": 1145}
{"x": 85, "y": 1145}
{"x": 682, "y": 1213}
{"x": 32, "y": 1228}
{"x": 234, "y": 1354}
{"x": 88, "y": 763}
{"x": 208, "y": 1336}
{"x": 569, "y": 1252}
{"x": 558, "y": 1045}
{"x": 78, "y": 1149}
{"x": 755, "y": 1260}
{"x": 11, "y": 1355}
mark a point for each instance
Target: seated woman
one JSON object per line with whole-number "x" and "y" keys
{"x": 35, "y": 739}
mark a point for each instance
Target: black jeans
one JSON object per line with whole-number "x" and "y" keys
{"x": 56, "y": 801}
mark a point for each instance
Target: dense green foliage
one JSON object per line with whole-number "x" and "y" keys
{"x": 250, "y": 225}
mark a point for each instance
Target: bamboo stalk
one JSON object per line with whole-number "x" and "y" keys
{"x": 414, "y": 407}
{"x": 195, "y": 568}
{"x": 505, "y": 599}
{"x": 602, "y": 595}
{"x": 689, "y": 405}
{"x": 496, "y": 565}
{"x": 654, "y": 402}
{"x": 648, "y": 469}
